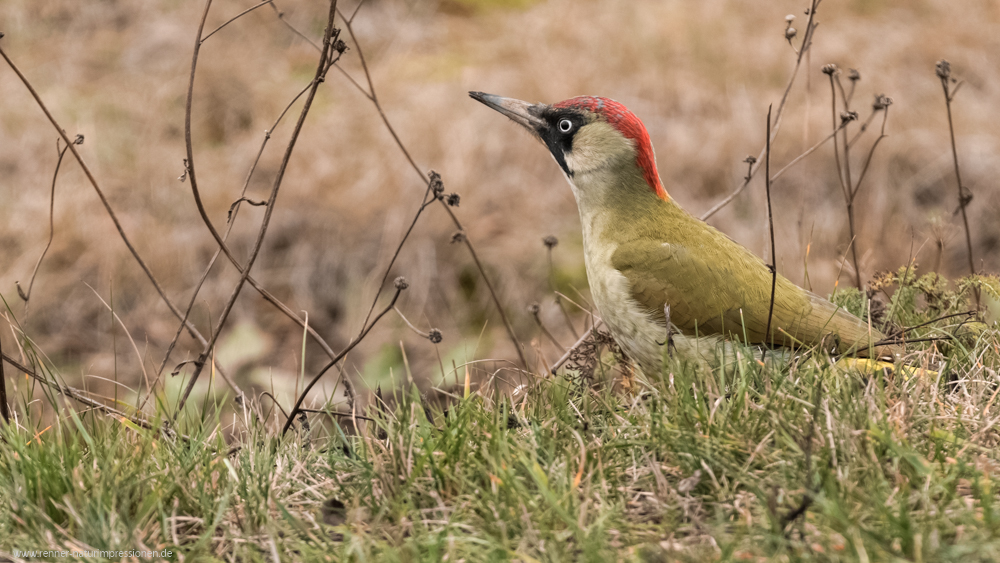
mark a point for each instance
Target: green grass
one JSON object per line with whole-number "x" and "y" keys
{"x": 698, "y": 465}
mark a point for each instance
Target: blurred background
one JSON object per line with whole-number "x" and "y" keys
{"x": 699, "y": 74}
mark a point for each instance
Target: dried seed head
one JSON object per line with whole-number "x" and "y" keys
{"x": 853, "y": 75}
{"x": 401, "y": 283}
{"x": 339, "y": 46}
{"x": 435, "y": 336}
{"x": 846, "y": 116}
{"x": 534, "y": 308}
{"x": 881, "y": 102}
{"x": 751, "y": 159}
{"x": 790, "y": 33}
{"x": 550, "y": 242}
{"x": 829, "y": 69}
{"x": 943, "y": 69}
{"x": 458, "y": 236}
{"x": 454, "y": 199}
{"x": 437, "y": 186}
{"x": 790, "y": 18}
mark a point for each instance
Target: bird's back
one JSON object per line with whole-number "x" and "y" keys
{"x": 714, "y": 285}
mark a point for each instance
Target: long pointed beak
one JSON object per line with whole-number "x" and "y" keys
{"x": 524, "y": 114}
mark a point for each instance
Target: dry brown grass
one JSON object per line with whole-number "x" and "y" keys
{"x": 700, "y": 74}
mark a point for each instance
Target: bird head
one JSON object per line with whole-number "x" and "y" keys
{"x": 601, "y": 146}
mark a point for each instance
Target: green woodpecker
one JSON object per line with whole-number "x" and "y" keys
{"x": 650, "y": 263}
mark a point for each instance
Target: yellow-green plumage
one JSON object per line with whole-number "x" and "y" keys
{"x": 715, "y": 286}
{"x": 644, "y": 253}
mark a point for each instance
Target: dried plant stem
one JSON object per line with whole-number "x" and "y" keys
{"x": 281, "y": 17}
{"x": 26, "y": 295}
{"x": 373, "y": 97}
{"x": 114, "y": 218}
{"x": 807, "y": 38}
{"x": 944, "y": 73}
{"x": 808, "y": 152}
{"x": 583, "y": 338}
{"x": 871, "y": 152}
{"x": 559, "y": 303}
{"x": 844, "y": 182}
{"x": 545, "y": 331}
{"x": 773, "y": 266}
{"x": 4, "y": 409}
{"x": 423, "y": 205}
{"x": 234, "y": 18}
{"x": 224, "y": 248}
{"x": 322, "y": 66}
{"x": 73, "y": 393}
{"x": 296, "y": 409}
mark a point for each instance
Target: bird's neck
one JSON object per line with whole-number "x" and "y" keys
{"x": 616, "y": 205}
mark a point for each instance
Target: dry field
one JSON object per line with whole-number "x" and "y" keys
{"x": 700, "y": 75}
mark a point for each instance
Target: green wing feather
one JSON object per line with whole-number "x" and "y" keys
{"x": 731, "y": 296}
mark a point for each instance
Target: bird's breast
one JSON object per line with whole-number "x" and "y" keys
{"x": 640, "y": 336}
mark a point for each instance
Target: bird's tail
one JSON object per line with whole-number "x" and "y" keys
{"x": 850, "y": 335}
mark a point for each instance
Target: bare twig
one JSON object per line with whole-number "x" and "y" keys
{"x": 281, "y": 16}
{"x": 871, "y": 152}
{"x": 234, "y": 18}
{"x": 321, "y": 69}
{"x": 25, "y": 295}
{"x": 773, "y": 266}
{"x": 808, "y": 152}
{"x": 4, "y": 409}
{"x": 429, "y": 192}
{"x": 464, "y": 238}
{"x": 573, "y": 348}
{"x": 943, "y": 70}
{"x": 114, "y": 218}
{"x": 296, "y": 409}
{"x": 807, "y": 38}
{"x": 535, "y": 309}
{"x": 843, "y": 170}
{"x": 223, "y": 248}
{"x": 75, "y": 394}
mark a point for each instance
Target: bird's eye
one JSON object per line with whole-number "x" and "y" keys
{"x": 565, "y": 125}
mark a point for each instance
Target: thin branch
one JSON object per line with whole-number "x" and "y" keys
{"x": 321, "y": 69}
{"x": 864, "y": 127}
{"x": 4, "y": 409}
{"x": 871, "y": 152}
{"x": 75, "y": 394}
{"x": 336, "y": 414}
{"x": 234, "y": 18}
{"x": 361, "y": 336}
{"x": 52, "y": 225}
{"x": 830, "y": 70}
{"x": 211, "y": 263}
{"x": 964, "y": 196}
{"x": 461, "y": 230}
{"x": 281, "y": 16}
{"x": 808, "y": 152}
{"x": 355, "y": 12}
{"x": 844, "y": 176}
{"x": 773, "y": 266}
{"x": 807, "y": 38}
{"x": 114, "y": 218}
{"x": 535, "y": 309}
{"x": 423, "y": 205}
{"x": 573, "y": 348}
